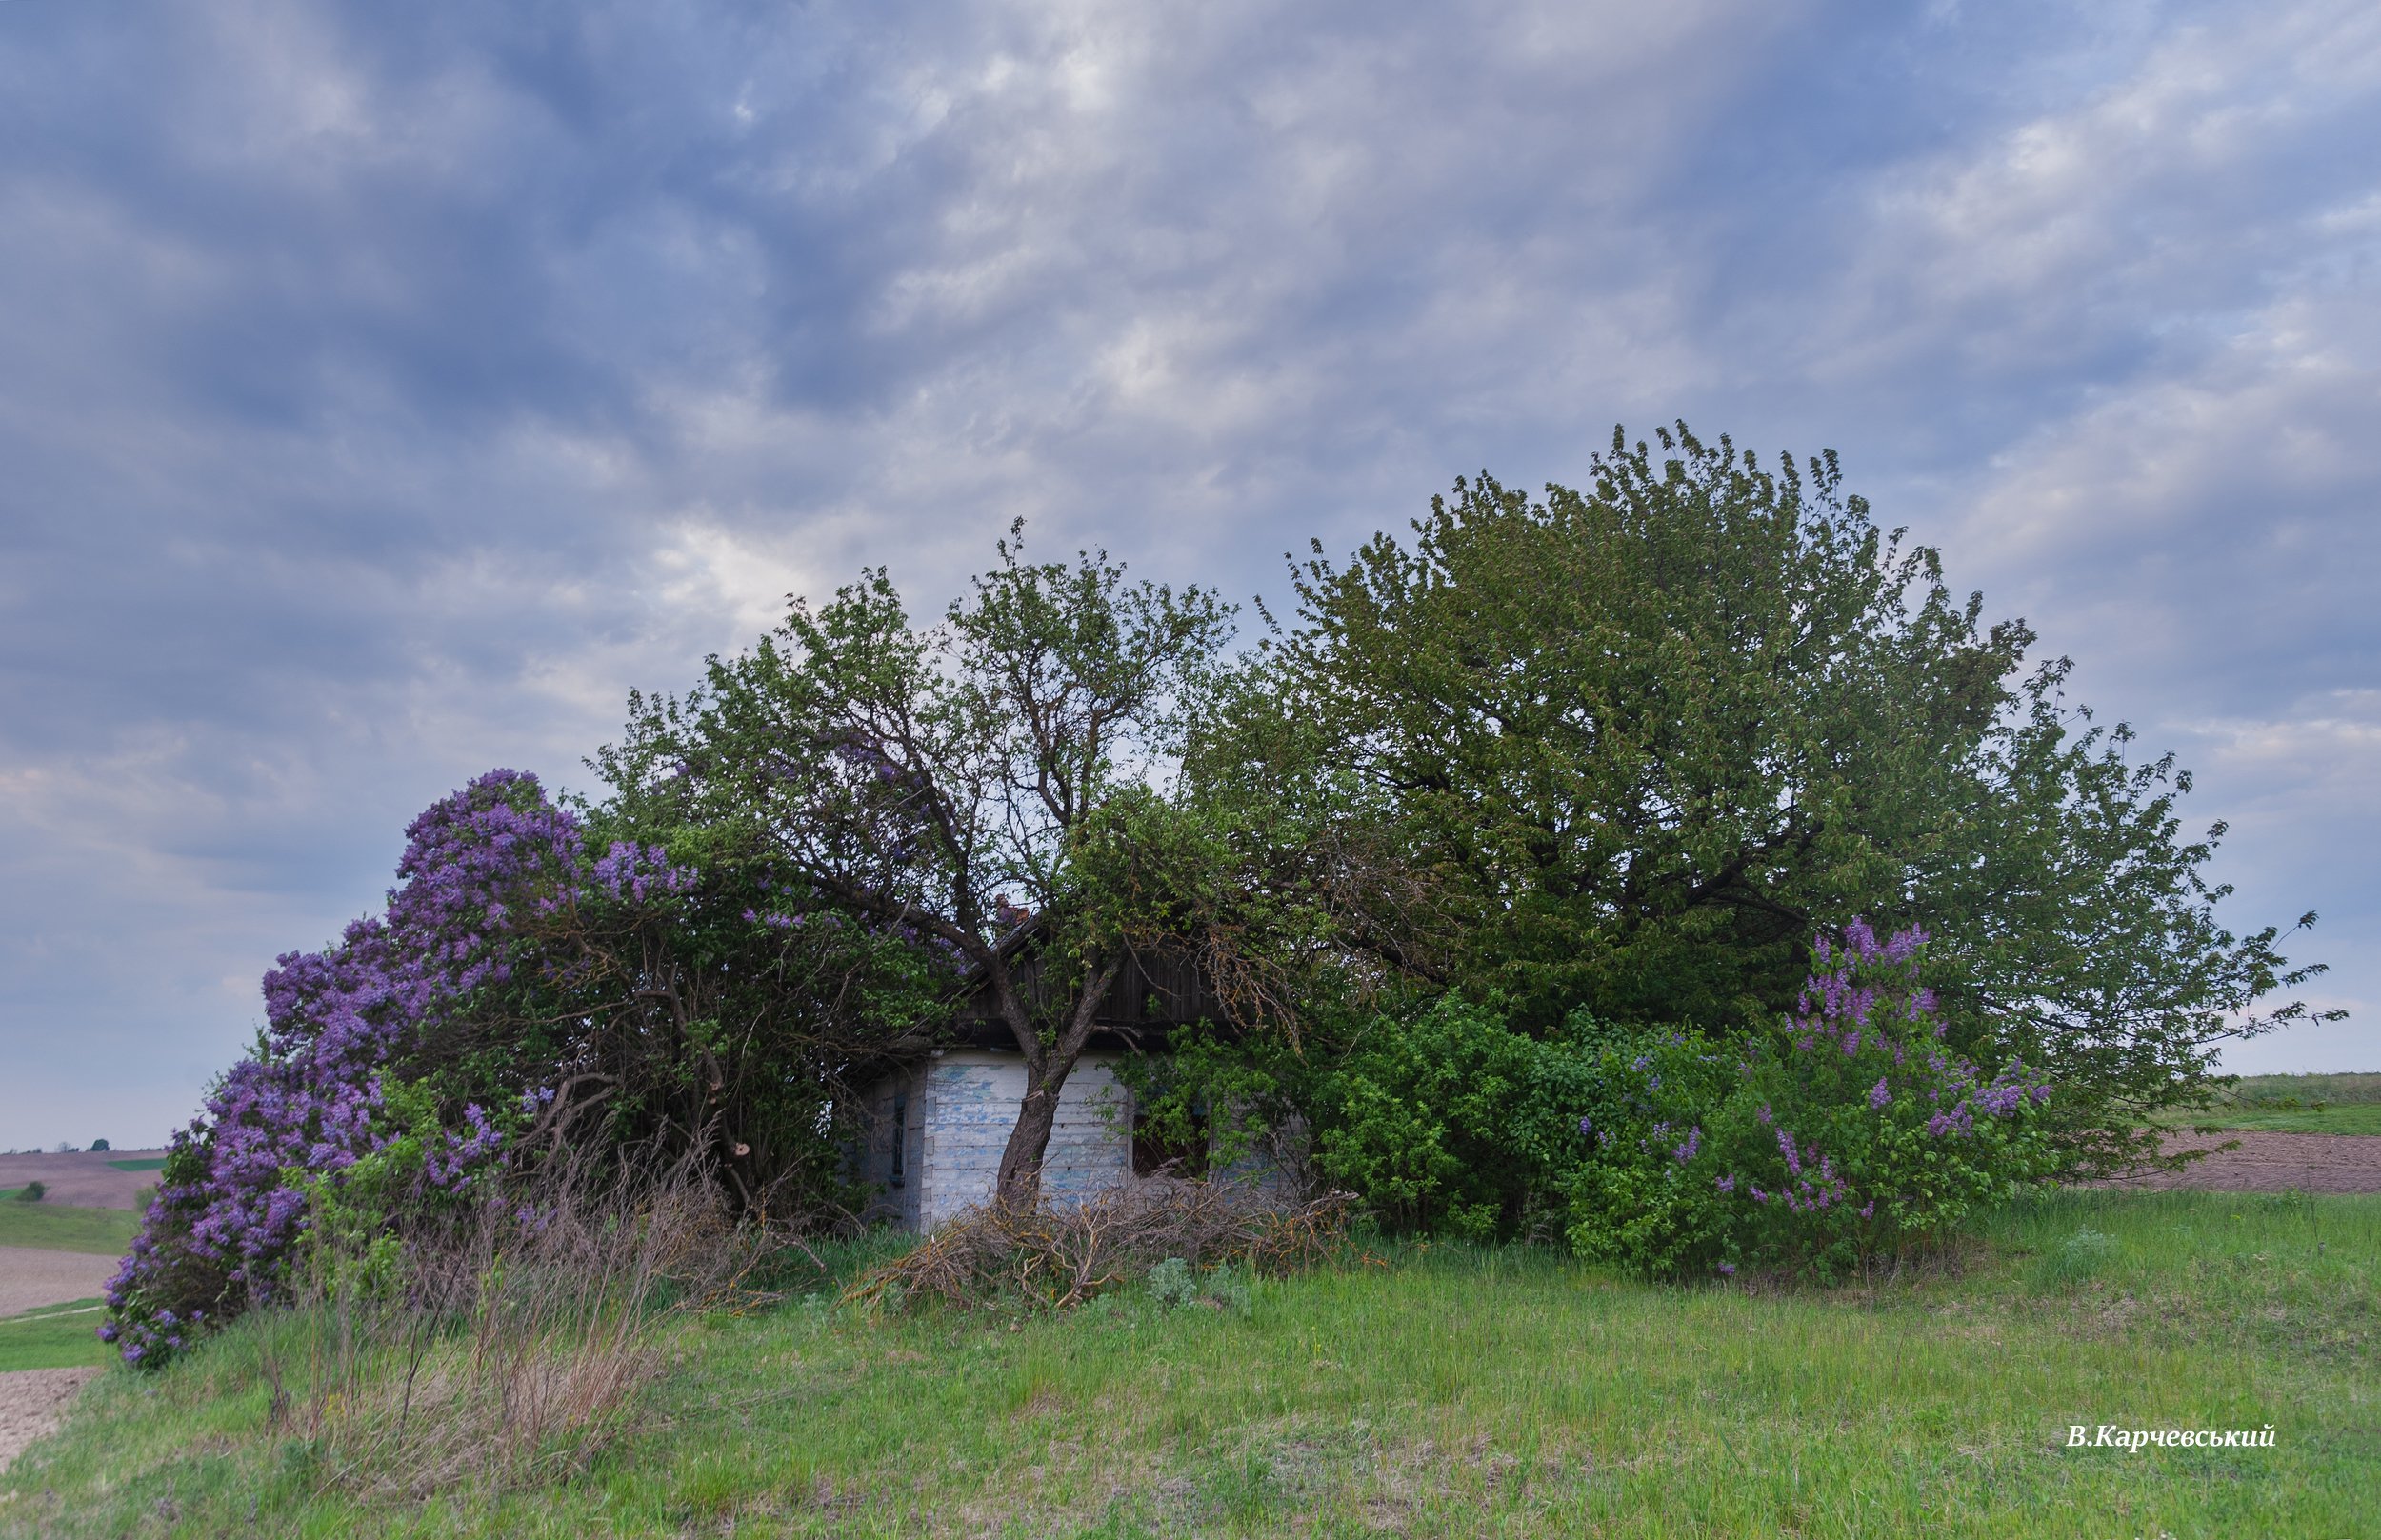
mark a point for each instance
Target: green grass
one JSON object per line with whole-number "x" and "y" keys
{"x": 1439, "y": 1390}
{"x": 55, "y": 1336}
{"x": 2334, "y": 1088}
{"x": 2353, "y": 1119}
{"x": 56, "y": 1227}
{"x": 155, "y": 1163}
{"x": 2292, "y": 1104}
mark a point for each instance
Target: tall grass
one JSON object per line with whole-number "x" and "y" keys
{"x": 506, "y": 1344}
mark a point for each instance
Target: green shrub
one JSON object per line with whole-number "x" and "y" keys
{"x": 31, "y": 1192}
{"x": 1451, "y": 1123}
{"x": 1851, "y": 1132}
{"x": 1645, "y": 1194}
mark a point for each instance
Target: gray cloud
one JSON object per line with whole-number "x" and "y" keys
{"x": 383, "y": 392}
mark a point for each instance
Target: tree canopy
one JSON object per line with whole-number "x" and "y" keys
{"x": 951, "y": 782}
{"x": 1623, "y": 749}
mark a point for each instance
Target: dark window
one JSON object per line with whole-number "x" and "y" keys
{"x": 1153, "y": 1151}
{"x": 901, "y": 1140}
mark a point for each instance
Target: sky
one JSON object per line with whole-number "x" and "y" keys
{"x": 385, "y": 390}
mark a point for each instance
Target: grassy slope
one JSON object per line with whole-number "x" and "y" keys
{"x": 58, "y": 1336}
{"x": 1448, "y": 1391}
{"x": 53, "y": 1226}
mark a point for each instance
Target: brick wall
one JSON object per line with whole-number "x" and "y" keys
{"x": 971, "y": 1103}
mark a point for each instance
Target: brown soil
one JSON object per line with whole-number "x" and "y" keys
{"x": 32, "y": 1402}
{"x": 2271, "y": 1162}
{"x": 30, "y": 1279}
{"x": 82, "y": 1181}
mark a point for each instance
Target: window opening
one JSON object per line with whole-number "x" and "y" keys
{"x": 1170, "y": 1147}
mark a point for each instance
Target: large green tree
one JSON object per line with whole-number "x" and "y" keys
{"x": 1624, "y": 747}
{"x": 945, "y": 782}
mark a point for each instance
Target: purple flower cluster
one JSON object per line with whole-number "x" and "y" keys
{"x": 636, "y": 873}
{"x": 463, "y": 1153}
{"x": 2009, "y": 1093}
{"x": 1863, "y": 986}
{"x": 220, "y": 1235}
{"x": 1866, "y": 1005}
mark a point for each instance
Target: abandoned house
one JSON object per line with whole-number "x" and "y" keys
{"x": 935, "y": 1128}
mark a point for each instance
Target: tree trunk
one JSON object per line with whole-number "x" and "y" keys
{"x": 1046, "y": 1065}
{"x": 1029, "y": 1142}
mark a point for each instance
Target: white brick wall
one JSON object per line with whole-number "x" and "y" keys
{"x": 971, "y": 1100}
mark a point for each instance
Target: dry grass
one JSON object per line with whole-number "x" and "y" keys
{"x": 508, "y": 1347}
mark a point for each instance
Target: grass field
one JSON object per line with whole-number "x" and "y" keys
{"x": 55, "y": 1227}
{"x": 56, "y": 1336}
{"x": 1422, "y": 1390}
{"x": 2294, "y": 1103}
{"x": 2352, "y": 1119}
{"x": 155, "y": 1163}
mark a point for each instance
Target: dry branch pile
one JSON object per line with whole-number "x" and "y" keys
{"x": 1062, "y": 1254}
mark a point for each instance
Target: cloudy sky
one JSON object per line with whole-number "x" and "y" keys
{"x": 386, "y": 389}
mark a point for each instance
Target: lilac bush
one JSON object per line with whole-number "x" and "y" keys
{"x": 314, "y": 1099}
{"x": 1853, "y": 1130}
{"x": 538, "y": 980}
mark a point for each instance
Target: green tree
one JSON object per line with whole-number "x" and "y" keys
{"x": 1623, "y": 749}
{"x": 947, "y": 782}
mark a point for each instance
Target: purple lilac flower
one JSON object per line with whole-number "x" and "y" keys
{"x": 1726, "y": 1184}
{"x": 478, "y": 864}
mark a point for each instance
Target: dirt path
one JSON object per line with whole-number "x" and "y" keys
{"x": 29, "y": 1278}
{"x": 32, "y": 1402}
{"x": 83, "y": 1181}
{"x": 2269, "y": 1162}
